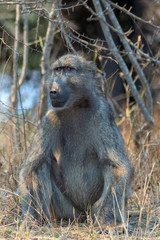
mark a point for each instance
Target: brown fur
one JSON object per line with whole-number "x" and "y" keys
{"x": 77, "y": 158}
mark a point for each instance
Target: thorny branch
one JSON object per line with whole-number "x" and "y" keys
{"x": 130, "y": 55}
{"x": 121, "y": 63}
{"x": 63, "y": 31}
{"x": 125, "y": 41}
{"x": 99, "y": 44}
{"x": 133, "y": 15}
{"x": 138, "y": 52}
{"x": 21, "y": 2}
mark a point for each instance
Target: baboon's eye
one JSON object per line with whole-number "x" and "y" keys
{"x": 68, "y": 68}
{"x": 58, "y": 69}
{"x": 64, "y": 68}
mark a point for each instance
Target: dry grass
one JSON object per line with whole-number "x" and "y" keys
{"x": 143, "y": 147}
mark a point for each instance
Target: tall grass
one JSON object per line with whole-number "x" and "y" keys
{"x": 143, "y": 147}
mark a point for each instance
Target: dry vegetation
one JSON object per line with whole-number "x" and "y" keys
{"x": 143, "y": 146}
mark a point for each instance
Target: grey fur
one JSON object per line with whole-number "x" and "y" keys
{"x": 77, "y": 157}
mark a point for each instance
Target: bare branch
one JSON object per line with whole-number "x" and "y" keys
{"x": 9, "y": 47}
{"x": 11, "y": 115}
{"x": 29, "y": 9}
{"x": 15, "y": 61}
{"x": 122, "y": 64}
{"x": 138, "y": 52}
{"x": 63, "y": 31}
{"x": 141, "y": 53}
{"x": 130, "y": 55}
{"x": 43, "y": 106}
{"x": 14, "y": 87}
{"x": 21, "y": 3}
{"x": 25, "y": 49}
{"x": 19, "y": 41}
{"x": 133, "y": 15}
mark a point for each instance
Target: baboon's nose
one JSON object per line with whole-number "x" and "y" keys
{"x": 53, "y": 94}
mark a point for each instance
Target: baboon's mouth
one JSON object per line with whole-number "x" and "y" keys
{"x": 58, "y": 101}
{"x": 57, "y": 104}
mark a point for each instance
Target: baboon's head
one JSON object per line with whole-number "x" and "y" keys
{"x": 72, "y": 82}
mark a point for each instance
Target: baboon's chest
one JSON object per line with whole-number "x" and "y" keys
{"x": 79, "y": 167}
{"x": 81, "y": 176}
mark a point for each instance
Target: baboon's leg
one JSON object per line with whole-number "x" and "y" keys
{"x": 61, "y": 206}
{"x": 42, "y": 199}
{"x": 36, "y": 191}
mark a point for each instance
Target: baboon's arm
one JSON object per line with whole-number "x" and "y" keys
{"x": 42, "y": 147}
{"x": 117, "y": 184}
{"x": 35, "y": 172}
{"x": 118, "y": 175}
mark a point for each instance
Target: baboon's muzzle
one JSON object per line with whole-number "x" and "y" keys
{"x": 58, "y": 93}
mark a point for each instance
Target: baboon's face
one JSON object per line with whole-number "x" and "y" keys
{"x": 70, "y": 81}
{"x": 59, "y": 93}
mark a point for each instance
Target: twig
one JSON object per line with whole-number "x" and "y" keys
{"x": 43, "y": 106}
{"x": 19, "y": 41}
{"x": 25, "y": 49}
{"x": 21, "y": 3}
{"x": 24, "y": 126}
{"x": 63, "y": 31}
{"x": 145, "y": 55}
{"x": 17, "y": 116}
{"x": 14, "y": 88}
{"x": 122, "y": 64}
{"x": 133, "y": 15}
{"x": 28, "y": 9}
{"x": 130, "y": 55}
{"x": 9, "y": 47}
{"x": 87, "y": 43}
{"x": 15, "y": 61}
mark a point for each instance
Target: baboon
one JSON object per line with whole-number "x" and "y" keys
{"x": 77, "y": 157}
